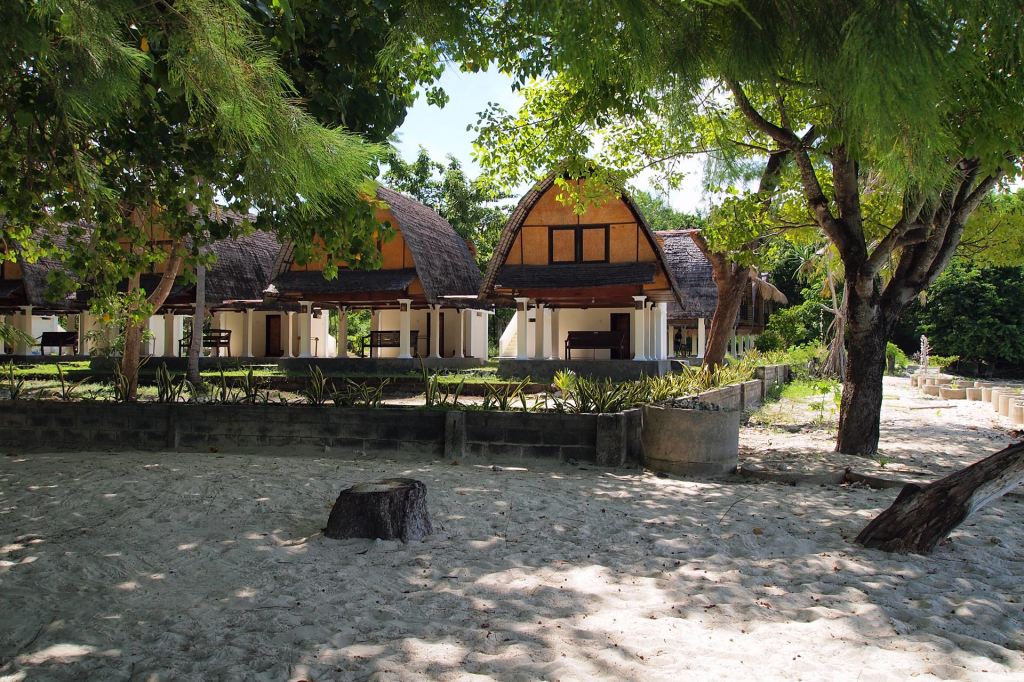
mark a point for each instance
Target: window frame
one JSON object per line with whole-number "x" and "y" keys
{"x": 577, "y": 231}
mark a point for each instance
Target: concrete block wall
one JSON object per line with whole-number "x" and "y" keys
{"x": 607, "y": 440}
{"x": 35, "y": 425}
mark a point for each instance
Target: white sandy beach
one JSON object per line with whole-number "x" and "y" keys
{"x": 212, "y": 567}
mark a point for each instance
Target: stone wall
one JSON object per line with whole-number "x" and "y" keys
{"x": 36, "y": 425}
{"x": 607, "y": 440}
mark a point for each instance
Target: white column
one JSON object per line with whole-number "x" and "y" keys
{"x": 538, "y": 332}
{"x": 24, "y": 323}
{"x": 652, "y": 333}
{"x": 86, "y": 322}
{"x": 170, "y": 342}
{"x": 343, "y": 332}
{"x": 639, "y": 322}
{"x": 435, "y": 331}
{"x": 663, "y": 341}
{"x": 287, "y": 333}
{"x": 556, "y": 336}
{"x": 522, "y": 328}
{"x": 460, "y": 347}
{"x": 305, "y": 331}
{"x": 404, "y": 327}
{"x": 701, "y": 338}
{"x": 374, "y": 327}
{"x": 248, "y": 332}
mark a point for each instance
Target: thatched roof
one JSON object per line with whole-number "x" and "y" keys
{"x": 240, "y": 273}
{"x": 515, "y": 222}
{"x": 35, "y": 277}
{"x": 693, "y": 272}
{"x": 442, "y": 259}
{"x": 243, "y": 269}
{"x": 347, "y": 282}
{"x": 574, "y": 275}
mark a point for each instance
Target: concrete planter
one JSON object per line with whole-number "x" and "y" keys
{"x": 932, "y": 390}
{"x": 914, "y": 379}
{"x": 974, "y": 393}
{"x": 1005, "y": 400}
{"x": 953, "y": 393}
{"x": 690, "y": 442}
{"x": 1017, "y": 412}
{"x": 943, "y": 381}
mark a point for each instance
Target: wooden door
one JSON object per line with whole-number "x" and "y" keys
{"x": 273, "y": 337}
{"x": 620, "y": 322}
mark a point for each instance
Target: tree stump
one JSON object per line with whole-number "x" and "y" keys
{"x": 922, "y": 516}
{"x": 390, "y": 509}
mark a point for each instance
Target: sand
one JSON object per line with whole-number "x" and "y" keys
{"x": 212, "y": 566}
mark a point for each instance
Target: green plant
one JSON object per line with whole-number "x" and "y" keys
{"x": 121, "y": 385}
{"x": 363, "y": 395}
{"x": 67, "y": 388}
{"x": 15, "y": 383}
{"x": 168, "y": 387}
{"x": 940, "y": 362}
{"x": 224, "y": 392}
{"x": 895, "y": 359}
{"x": 503, "y": 396}
{"x": 251, "y": 390}
{"x": 318, "y": 388}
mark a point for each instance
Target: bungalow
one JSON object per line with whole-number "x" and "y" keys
{"x": 422, "y": 300}
{"x": 590, "y": 289}
{"x": 26, "y": 305}
{"x": 689, "y": 319}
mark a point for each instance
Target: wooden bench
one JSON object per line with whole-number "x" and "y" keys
{"x": 60, "y": 341}
{"x": 387, "y": 339}
{"x": 212, "y": 338}
{"x": 613, "y": 341}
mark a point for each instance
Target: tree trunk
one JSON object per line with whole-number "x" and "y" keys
{"x": 132, "y": 347}
{"x": 394, "y": 508}
{"x": 195, "y": 346}
{"x": 921, "y": 517}
{"x": 835, "y": 363}
{"x": 731, "y": 281}
{"x": 866, "y": 334}
{"x": 731, "y": 287}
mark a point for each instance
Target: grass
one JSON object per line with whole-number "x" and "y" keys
{"x": 803, "y": 402}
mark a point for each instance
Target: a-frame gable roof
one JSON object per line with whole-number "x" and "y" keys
{"x": 522, "y": 211}
{"x": 442, "y": 259}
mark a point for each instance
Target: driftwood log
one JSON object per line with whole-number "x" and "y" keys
{"x": 391, "y": 509}
{"x": 922, "y": 516}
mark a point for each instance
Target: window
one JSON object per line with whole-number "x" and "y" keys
{"x": 578, "y": 244}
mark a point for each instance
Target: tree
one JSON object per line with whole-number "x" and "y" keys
{"x": 474, "y": 211}
{"x": 898, "y": 120}
{"x": 123, "y": 122}
{"x": 661, "y": 216}
{"x": 976, "y": 314}
{"x": 331, "y": 51}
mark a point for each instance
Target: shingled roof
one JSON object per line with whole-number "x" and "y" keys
{"x": 693, "y": 272}
{"x": 442, "y": 259}
{"x": 518, "y": 217}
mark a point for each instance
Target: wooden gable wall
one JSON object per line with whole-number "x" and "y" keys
{"x": 626, "y": 242}
{"x": 395, "y": 252}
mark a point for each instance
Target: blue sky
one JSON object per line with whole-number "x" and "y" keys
{"x": 443, "y": 131}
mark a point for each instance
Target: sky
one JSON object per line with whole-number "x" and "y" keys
{"x": 443, "y": 131}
